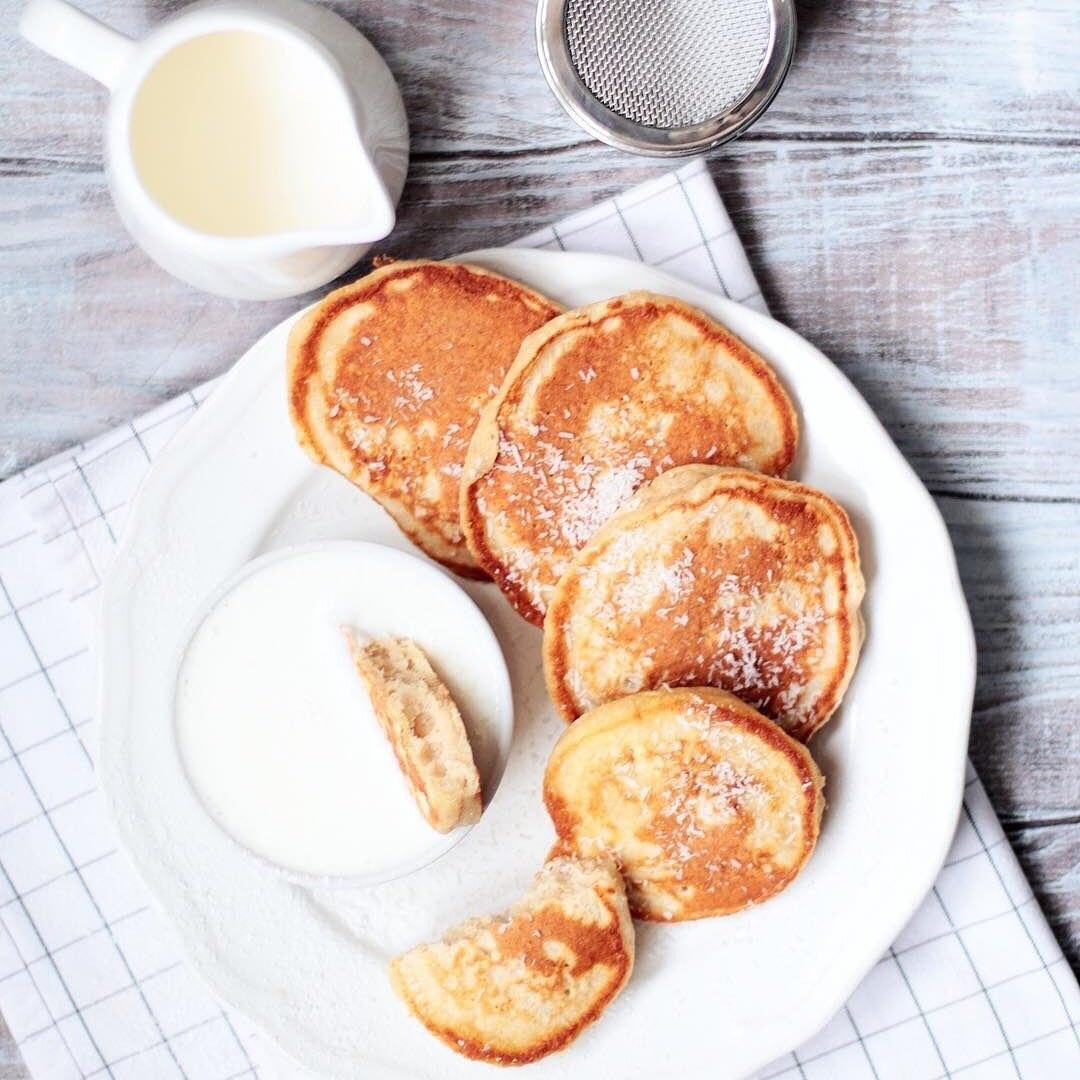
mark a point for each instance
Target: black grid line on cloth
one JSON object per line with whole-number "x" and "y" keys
{"x": 78, "y": 535}
{"x": 46, "y": 955}
{"x": 76, "y": 871}
{"x": 1016, "y": 908}
{"x": 68, "y": 458}
{"x": 156, "y": 424}
{"x": 56, "y": 806}
{"x": 77, "y": 1009}
{"x": 97, "y": 930}
{"x": 694, "y": 247}
{"x": 44, "y": 742}
{"x": 97, "y": 909}
{"x": 232, "y": 1031}
{"x": 16, "y": 539}
{"x": 968, "y": 926}
{"x": 71, "y": 457}
{"x": 165, "y": 1042}
{"x": 663, "y": 186}
{"x": 30, "y": 603}
{"x": 48, "y": 679}
{"x": 93, "y": 497}
{"x": 985, "y": 850}
{"x": 67, "y": 854}
{"x": 626, "y": 228}
{"x": 807, "y": 1060}
{"x": 43, "y": 669}
{"x": 561, "y": 234}
{"x": 565, "y": 232}
{"x": 1018, "y": 1046}
{"x": 701, "y": 231}
{"x": 799, "y": 1065}
{"x": 966, "y": 997}
{"x": 926, "y": 1022}
{"x": 975, "y": 970}
{"x": 50, "y": 1026}
{"x": 41, "y": 885}
{"x": 138, "y": 439}
{"x": 776, "y": 1072}
{"x": 32, "y": 488}
{"x": 67, "y": 530}
{"x": 861, "y": 1042}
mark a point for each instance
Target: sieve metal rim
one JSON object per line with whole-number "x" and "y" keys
{"x": 616, "y": 130}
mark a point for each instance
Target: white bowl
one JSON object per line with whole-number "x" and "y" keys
{"x": 284, "y": 793}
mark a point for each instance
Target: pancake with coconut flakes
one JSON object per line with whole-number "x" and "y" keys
{"x": 388, "y": 375}
{"x": 706, "y": 805}
{"x": 713, "y": 577}
{"x": 516, "y": 987}
{"x": 598, "y": 401}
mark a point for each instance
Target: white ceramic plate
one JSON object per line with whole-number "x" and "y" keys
{"x": 716, "y": 998}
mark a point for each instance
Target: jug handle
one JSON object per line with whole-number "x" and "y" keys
{"x": 63, "y": 31}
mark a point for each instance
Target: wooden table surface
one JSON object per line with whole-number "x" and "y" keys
{"x": 911, "y": 204}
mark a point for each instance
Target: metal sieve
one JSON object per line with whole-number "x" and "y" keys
{"x": 665, "y": 76}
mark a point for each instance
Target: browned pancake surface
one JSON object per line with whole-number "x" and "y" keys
{"x": 388, "y": 375}
{"x": 732, "y": 579}
{"x": 599, "y": 401}
{"x": 516, "y": 987}
{"x": 707, "y": 806}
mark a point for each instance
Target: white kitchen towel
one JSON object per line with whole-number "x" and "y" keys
{"x": 91, "y": 980}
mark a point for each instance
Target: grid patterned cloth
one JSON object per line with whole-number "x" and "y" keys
{"x": 92, "y": 983}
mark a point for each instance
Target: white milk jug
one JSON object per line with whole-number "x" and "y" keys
{"x": 254, "y": 148}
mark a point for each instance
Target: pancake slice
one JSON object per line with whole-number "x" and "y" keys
{"x": 419, "y": 717}
{"x": 516, "y": 987}
{"x": 713, "y": 577}
{"x": 387, "y": 377}
{"x": 598, "y": 401}
{"x": 706, "y": 805}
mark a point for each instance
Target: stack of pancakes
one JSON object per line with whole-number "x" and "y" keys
{"x": 618, "y": 472}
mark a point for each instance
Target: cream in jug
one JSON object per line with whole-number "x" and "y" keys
{"x": 238, "y": 133}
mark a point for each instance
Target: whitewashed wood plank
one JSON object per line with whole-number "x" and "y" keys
{"x": 940, "y": 277}
{"x": 968, "y": 69}
{"x": 1020, "y": 566}
{"x": 1050, "y": 855}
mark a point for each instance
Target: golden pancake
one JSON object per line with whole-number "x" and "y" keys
{"x": 388, "y": 375}
{"x": 516, "y": 987}
{"x": 713, "y": 577}
{"x": 706, "y": 805}
{"x": 598, "y": 401}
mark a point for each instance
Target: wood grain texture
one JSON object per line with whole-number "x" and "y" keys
{"x": 911, "y": 203}
{"x": 11, "y": 1066}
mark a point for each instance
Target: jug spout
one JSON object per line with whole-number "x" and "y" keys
{"x": 350, "y": 207}
{"x": 354, "y": 205}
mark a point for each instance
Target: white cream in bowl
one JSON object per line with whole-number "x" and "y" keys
{"x": 275, "y": 730}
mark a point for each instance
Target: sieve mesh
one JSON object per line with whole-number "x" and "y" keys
{"x": 668, "y": 63}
